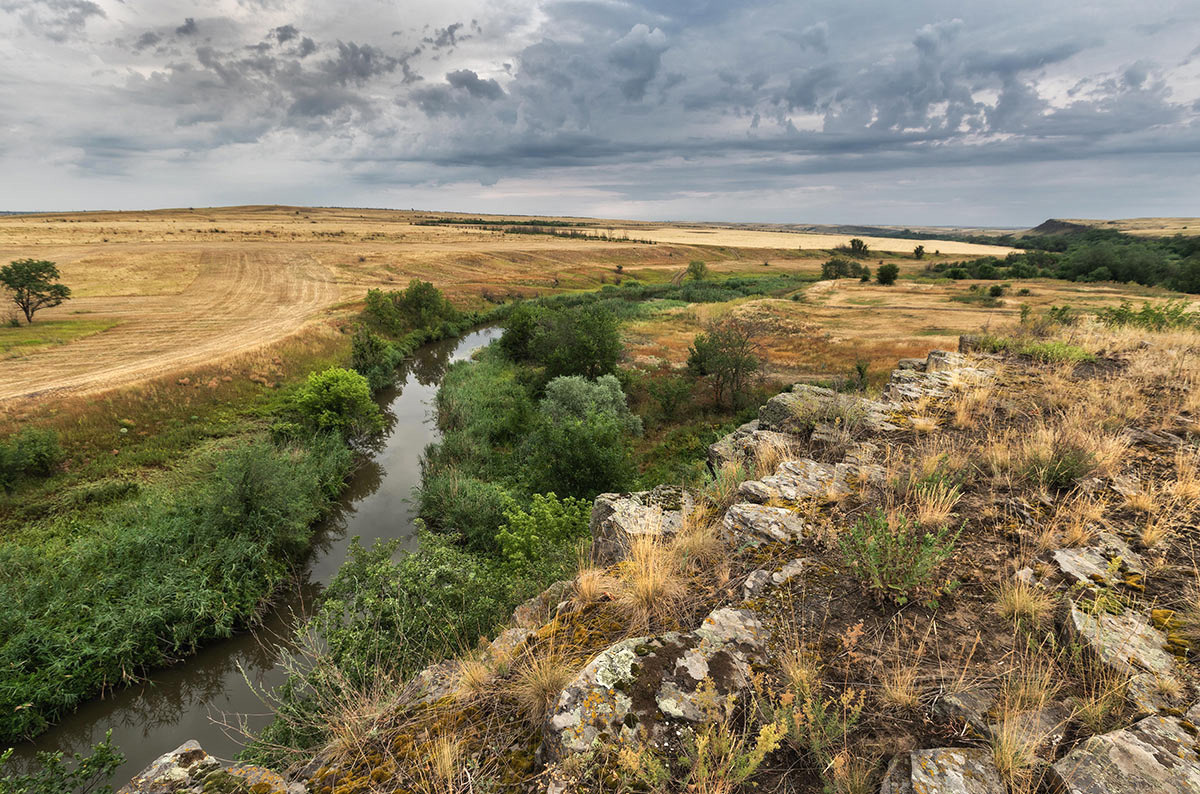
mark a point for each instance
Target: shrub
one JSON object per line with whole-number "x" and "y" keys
{"x": 697, "y": 270}
{"x": 886, "y": 274}
{"x": 727, "y": 354}
{"x": 1060, "y": 466}
{"x": 995, "y": 291}
{"x": 339, "y": 400}
{"x": 451, "y": 500}
{"x": 548, "y": 528}
{"x": 895, "y": 559}
{"x": 374, "y": 358}
{"x": 1172, "y": 314}
{"x": 584, "y": 341}
{"x": 51, "y": 775}
{"x": 31, "y": 451}
{"x": 581, "y": 449}
{"x": 519, "y": 329}
{"x": 420, "y": 305}
{"x": 574, "y": 397}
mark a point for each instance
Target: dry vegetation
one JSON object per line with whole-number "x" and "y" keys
{"x": 184, "y": 288}
{"x": 1016, "y": 466}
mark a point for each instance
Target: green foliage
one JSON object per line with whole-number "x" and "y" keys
{"x": 420, "y": 305}
{"x": 90, "y": 773}
{"x": 1050, "y": 351}
{"x": 857, "y": 248}
{"x": 919, "y": 252}
{"x": 453, "y": 501}
{"x": 584, "y": 341}
{"x": 697, "y": 270}
{"x": 896, "y": 559}
{"x": 30, "y": 452}
{"x": 1160, "y": 317}
{"x": 839, "y": 267}
{"x": 150, "y": 579}
{"x": 374, "y": 358}
{"x": 886, "y": 274}
{"x": 727, "y": 354}
{"x": 519, "y": 329}
{"x": 671, "y": 393}
{"x": 1060, "y": 467}
{"x": 581, "y": 447}
{"x": 34, "y": 285}
{"x": 338, "y": 400}
{"x": 995, "y": 291}
{"x": 549, "y": 527}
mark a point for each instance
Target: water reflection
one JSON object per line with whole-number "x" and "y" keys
{"x": 194, "y": 698}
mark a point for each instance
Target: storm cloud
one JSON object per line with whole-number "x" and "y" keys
{"x": 926, "y": 112}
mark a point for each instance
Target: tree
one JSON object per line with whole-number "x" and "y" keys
{"x": 919, "y": 252}
{"x": 34, "y": 285}
{"x": 886, "y": 274}
{"x": 581, "y": 442}
{"x": 374, "y": 358}
{"x": 339, "y": 399}
{"x": 859, "y": 248}
{"x": 697, "y": 270}
{"x": 727, "y": 354}
{"x": 584, "y": 341}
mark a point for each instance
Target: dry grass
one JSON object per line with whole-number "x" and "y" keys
{"x": 592, "y": 584}
{"x": 768, "y": 454}
{"x": 537, "y": 682}
{"x": 968, "y": 406}
{"x": 900, "y": 687}
{"x": 923, "y": 424}
{"x": 1186, "y": 486}
{"x": 1020, "y": 601}
{"x": 651, "y": 584}
{"x": 721, "y": 490}
{"x": 1143, "y": 500}
{"x": 935, "y": 504}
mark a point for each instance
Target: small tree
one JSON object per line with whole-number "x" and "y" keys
{"x": 727, "y": 354}
{"x": 339, "y": 399}
{"x": 697, "y": 270}
{"x": 859, "y": 248}
{"x": 919, "y": 252}
{"x": 34, "y": 285}
{"x": 886, "y": 274}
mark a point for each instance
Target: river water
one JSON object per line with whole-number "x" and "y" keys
{"x": 193, "y": 699}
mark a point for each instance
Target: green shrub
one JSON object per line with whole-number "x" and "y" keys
{"x": 1060, "y": 467}
{"x": 886, "y": 274}
{"x": 895, "y": 561}
{"x": 1161, "y": 317}
{"x": 519, "y": 329}
{"x": 452, "y": 501}
{"x": 374, "y": 358}
{"x": 339, "y": 400}
{"x": 420, "y": 305}
{"x": 548, "y": 528}
{"x": 89, "y": 775}
{"x": 31, "y": 451}
{"x": 584, "y": 341}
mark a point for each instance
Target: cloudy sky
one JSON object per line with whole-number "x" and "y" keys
{"x": 868, "y": 111}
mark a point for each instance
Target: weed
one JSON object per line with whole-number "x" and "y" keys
{"x": 893, "y": 558}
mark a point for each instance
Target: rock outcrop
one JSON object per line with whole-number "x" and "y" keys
{"x": 617, "y": 518}
{"x": 1157, "y": 754}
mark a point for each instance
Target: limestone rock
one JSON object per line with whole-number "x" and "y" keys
{"x": 644, "y": 683}
{"x": 1090, "y": 565}
{"x": 742, "y": 444}
{"x": 754, "y": 524}
{"x": 757, "y": 582}
{"x": 1127, "y": 641}
{"x": 181, "y": 770}
{"x": 897, "y": 778}
{"x": 968, "y": 707}
{"x": 617, "y": 518}
{"x": 805, "y": 407}
{"x": 938, "y": 360}
{"x": 1157, "y": 754}
{"x": 955, "y": 771}
{"x": 1044, "y": 729}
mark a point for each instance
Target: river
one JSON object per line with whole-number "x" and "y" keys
{"x": 193, "y": 699}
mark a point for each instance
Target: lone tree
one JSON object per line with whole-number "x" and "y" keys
{"x": 697, "y": 270}
{"x": 919, "y": 252}
{"x": 859, "y": 248}
{"x": 886, "y": 274}
{"x": 34, "y": 285}
{"x": 727, "y": 354}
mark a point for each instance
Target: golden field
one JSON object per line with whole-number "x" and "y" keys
{"x": 181, "y": 289}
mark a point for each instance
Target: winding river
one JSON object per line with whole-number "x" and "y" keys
{"x": 194, "y": 699}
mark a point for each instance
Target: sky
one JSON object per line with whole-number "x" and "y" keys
{"x": 923, "y": 112}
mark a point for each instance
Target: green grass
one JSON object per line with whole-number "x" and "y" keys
{"x": 1047, "y": 352}
{"x": 27, "y": 339}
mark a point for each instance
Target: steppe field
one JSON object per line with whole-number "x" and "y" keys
{"x": 160, "y": 293}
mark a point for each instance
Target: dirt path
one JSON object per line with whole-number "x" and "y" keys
{"x": 238, "y": 301}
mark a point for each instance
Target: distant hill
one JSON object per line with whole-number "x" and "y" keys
{"x": 1147, "y": 227}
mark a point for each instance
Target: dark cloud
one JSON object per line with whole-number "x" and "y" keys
{"x": 762, "y": 96}
{"x": 470, "y": 82}
{"x": 284, "y": 33}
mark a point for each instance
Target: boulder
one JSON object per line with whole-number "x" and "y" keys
{"x": 1157, "y": 754}
{"x": 617, "y": 518}
{"x": 748, "y": 524}
{"x": 538, "y": 610}
{"x": 897, "y": 778}
{"x": 1044, "y": 728}
{"x": 183, "y": 770}
{"x": 805, "y": 407}
{"x": 641, "y": 686}
{"x": 967, "y": 707}
{"x": 742, "y": 445}
{"x": 1127, "y": 641}
{"x": 955, "y": 771}
{"x": 939, "y": 360}
{"x": 1090, "y": 565}
{"x": 805, "y": 478}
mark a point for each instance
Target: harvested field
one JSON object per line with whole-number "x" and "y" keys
{"x": 745, "y": 238}
{"x": 188, "y": 288}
